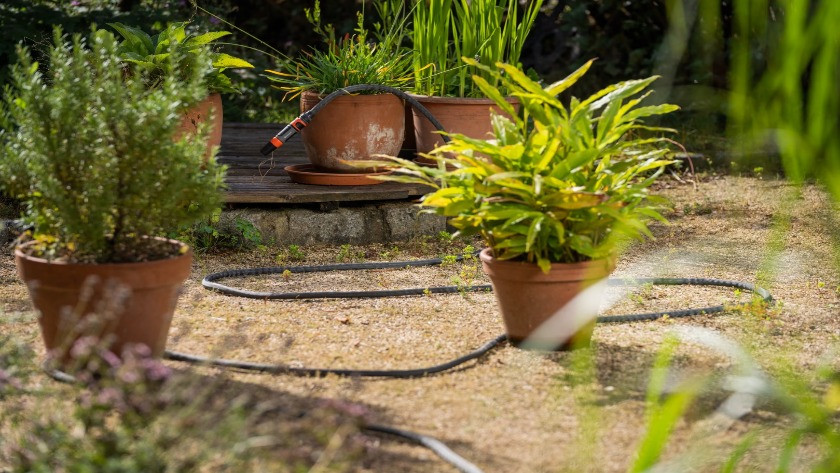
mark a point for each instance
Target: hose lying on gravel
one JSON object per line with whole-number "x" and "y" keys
{"x": 211, "y": 282}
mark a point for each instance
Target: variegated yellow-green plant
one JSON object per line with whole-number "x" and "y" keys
{"x": 557, "y": 183}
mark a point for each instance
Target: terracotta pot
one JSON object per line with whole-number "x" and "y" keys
{"x": 352, "y": 128}
{"x": 200, "y": 113}
{"x": 468, "y": 116}
{"x": 542, "y": 310}
{"x": 151, "y": 290}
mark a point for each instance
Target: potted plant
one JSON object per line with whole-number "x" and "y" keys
{"x": 444, "y": 32}
{"x": 90, "y": 151}
{"x": 353, "y": 127}
{"x": 555, "y": 194}
{"x": 149, "y": 54}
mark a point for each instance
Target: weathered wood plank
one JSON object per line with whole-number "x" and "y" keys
{"x": 256, "y": 179}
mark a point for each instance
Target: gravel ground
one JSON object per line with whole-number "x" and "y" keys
{"x": 520, "y": 411}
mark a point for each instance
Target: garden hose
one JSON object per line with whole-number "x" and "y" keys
{"x": 210, "y": 282}
{"x": 436, "y": 446}
{"x": 305, "y": 118}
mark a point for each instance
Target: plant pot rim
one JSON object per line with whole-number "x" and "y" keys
{"x": 486, "y": 256}
{"x": 459, "y": 100}
{"x": 311, "y": 94}
{"x": 21, "y": 253}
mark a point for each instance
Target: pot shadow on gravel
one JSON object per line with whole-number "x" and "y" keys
{"x": 301, "y": 421}
{"x": 623, "y": 373}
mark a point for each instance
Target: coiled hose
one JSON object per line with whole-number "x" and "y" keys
{"x": 211, "y": 282}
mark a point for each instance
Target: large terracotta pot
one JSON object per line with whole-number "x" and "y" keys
{"x": 352, "y": 128}
{"x": 467, "y": 116}
{"x": 543, "y": 310}
{"x": 150, "y": 289}
{"x": 200, "y": 113}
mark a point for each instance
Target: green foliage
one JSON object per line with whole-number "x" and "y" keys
{"x": 445, "y": 31}
{"x": 213, "y": 234}
{"x": 350, "y": 60}
{"x": 251, "y": 235}
{"x": 292, "y": 253}
{"x": 557, "y": 184}
{"x": 151, "y": 54}
{"x": 93, "y": 155}
{"x": 662, "y": 414}
{"x": 347, "y": 253}
{"x": 808, "y": 398}
{"x": 31, "y": 22}
{"x": 793, "y": 102}
{"x": 296, "y": 253}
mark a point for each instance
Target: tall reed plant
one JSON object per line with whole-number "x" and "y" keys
{"x": 445, "y": 31}
{"x": 791, "y": 102}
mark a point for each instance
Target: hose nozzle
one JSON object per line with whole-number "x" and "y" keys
{"x": 286, "y": 134}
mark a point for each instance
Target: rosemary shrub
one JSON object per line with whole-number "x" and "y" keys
{"x": 90, "y": 151}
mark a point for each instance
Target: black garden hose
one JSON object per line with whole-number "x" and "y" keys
{"x": 211, "y": 282}
{"x": 436, "y": 446}
{"x": 322, "y": 372}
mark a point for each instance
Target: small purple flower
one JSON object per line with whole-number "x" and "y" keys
{"x": 214, "y": 20}
{"x": 129, "y": 376}
{"x": 75, "y": 3}
{"x": 110, "y": 397}
{"x": 156, "y": 371}
{"x": 7, "y": 379}
{"x": 110, "y": 358}
{"x": 347, "y": 408}
{"x": 83, "y": 347}
{"x": 141, "y": 350}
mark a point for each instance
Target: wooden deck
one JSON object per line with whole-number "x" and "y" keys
{"x": 256, "y": 179}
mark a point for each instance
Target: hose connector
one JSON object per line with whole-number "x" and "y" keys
{"x": 286, "y": 134}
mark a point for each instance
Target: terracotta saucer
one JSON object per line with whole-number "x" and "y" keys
{"x": 309, "y": 174}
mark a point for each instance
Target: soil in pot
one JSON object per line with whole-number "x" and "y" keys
{"x": 549, "y": 311}
{"x": 467, "y": 116}
{"x": 200, "y": 113}
{"x": 136, "y": 299}
{"x": 352, "y": 128}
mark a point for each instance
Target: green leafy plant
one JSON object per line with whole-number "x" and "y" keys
{"x": 93, "y": 155}
{"x": 151, "y": 54}
{"x": 296, "y": 253}
{"x": 350, "y": 60}
{"x": 558, "y": 183}
{"x": 444, "y": 31}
